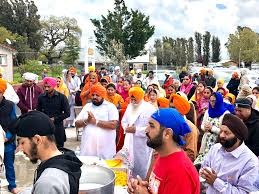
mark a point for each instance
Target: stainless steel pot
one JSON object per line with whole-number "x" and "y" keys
{"x": 96, "y": 180}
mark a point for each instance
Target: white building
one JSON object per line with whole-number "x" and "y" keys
{"x": 6, "y": 61}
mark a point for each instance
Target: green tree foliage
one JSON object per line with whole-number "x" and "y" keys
{"x": 72, "y": 50}
{"x": 116, "y": 52}
{"x": 32, "y": 66}
{"x": 244, "y": 43}
{"x": 172, "y": 52}
{"x": 130, "y": 28}
{"x": 215, "y": 45}
{"x": 21, "y": 17}
{"x": 19, "y": 43}
{"x": 198, "y": 41}
{"x": 158, "y": 51}
{"x": 206, "y": 48}
{"x": 190, "y": 50}
{"x": 56, "y": 32}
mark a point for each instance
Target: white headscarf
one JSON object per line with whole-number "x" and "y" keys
{"x": 30, "y": 76}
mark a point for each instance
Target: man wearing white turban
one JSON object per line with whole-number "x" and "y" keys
{"x": 28, "y": 93}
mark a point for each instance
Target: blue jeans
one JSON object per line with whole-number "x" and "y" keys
{"x": 9, "y": 168}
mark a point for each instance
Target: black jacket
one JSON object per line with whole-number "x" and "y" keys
{"x": 7, "y": 115}
{"x": 210, "y": 81}
{"x": 233, "y": 86}
{"x": 55, "y": 106}
{"x": 69, "y": 163}
{"x": 253, "y": 132}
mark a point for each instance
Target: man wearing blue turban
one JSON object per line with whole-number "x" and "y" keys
{"x": 173, "y": 171}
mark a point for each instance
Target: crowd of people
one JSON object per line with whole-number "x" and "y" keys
{"x": 191, "y": 134}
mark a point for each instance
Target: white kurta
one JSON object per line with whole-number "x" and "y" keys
{"x": 138, "y": 141}
{"x": 97, "y": 141}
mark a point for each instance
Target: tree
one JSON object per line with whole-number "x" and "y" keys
{"x": 190, "y": 50}
{"x": 130, "y": 28}
{"x": 159, "y": 51}
{"x": 116, "y": 51}
{"x": 215, "y": 45}
{"x": 243, "y": 45}
{"x": 18, "y": 42}
{"x": 72, "y": 50}
{"x": 56, "y": 31}
{"x": 198, "y": 41}
{"x": 21, "y": 17}
{"x": 206, "y": 48}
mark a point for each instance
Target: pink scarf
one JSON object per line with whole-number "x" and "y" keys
{"x": 186, "y": 89}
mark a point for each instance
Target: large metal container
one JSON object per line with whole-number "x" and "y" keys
{"x": 92, "y": 175}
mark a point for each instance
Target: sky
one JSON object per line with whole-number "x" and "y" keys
{"x": 173, "y": 18}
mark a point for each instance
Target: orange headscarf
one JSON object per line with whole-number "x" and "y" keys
{"x": 107, "y": 78}
{"x": 137, "y": 92}
{"x": 181, "y": 104}
{"x": 163, "y": 102}
{"x": 3, "y": 85}
{"x": 85, "y": 93}
{"x": 72, "y": 70}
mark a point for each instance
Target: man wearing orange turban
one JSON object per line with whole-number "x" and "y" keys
{"x": 3, "y": 86}
{"x": 7, "y": 116}
{"x": 180, "y": 103}
{"x": 135, "y": 151}
{"x": 163, "y": 102}
{"x": 191, "y": 139}
{"x": 99, "y": 118}
{"x": 137, "y": 93}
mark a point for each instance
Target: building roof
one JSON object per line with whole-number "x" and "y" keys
{"x": 140, "y": 59}
{"x": 8, "y": 48}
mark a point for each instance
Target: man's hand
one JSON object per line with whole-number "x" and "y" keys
{"x": 207, "y": 127}
{"x": 137, "y": 186}
{"x": 91, "y": 118}
{"x": 209, "y": 176}
{"x": 131, "y": 129}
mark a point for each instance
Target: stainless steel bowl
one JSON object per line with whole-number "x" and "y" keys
{"x": 96, "y": 180}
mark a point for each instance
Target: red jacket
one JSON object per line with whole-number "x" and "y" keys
{"x": 28, "y": 97}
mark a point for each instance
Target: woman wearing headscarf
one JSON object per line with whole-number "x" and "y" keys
{"x": 234, "y": 83}
{"x": 222, "y": 91}
{"x": 245, "y": 91}
{"x": 170, "y": 90}
{"x": 152, "y": 96}
{"x": 211, "y": 125}
{"x": 61, "y": 87}
{"x": 187, "y": 87}
{"x": 125, "y": 90}
{"x": 253, "y": 99}
{"x": 113, "y": 97}
{"x": 91, "y": 80}
{"x": 197, "y": 96}
{"x": 255, "y": 92}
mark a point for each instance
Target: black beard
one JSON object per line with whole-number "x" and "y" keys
{"x": 156, "y": 142}
{"x": 228, "y": 143}
{"x": 33, "y": 153}
{"x": 97, "y": 103}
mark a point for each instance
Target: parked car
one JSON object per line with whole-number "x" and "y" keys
{"x": 160, "y": 75}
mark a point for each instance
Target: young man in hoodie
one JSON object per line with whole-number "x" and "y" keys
{"x": 28, "y": 93}
{"x": 59, "y": 170}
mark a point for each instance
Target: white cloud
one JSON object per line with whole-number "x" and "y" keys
{"x": 177, "y": 18}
